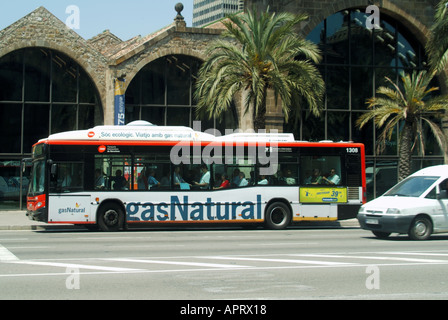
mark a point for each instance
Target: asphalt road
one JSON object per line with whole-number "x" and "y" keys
{"x": 209, "y": 264}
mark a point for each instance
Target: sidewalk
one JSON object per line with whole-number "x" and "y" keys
{"x": 17, "y": 220}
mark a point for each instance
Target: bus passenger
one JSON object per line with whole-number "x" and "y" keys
{"x": 333, "y": 178}
{"x": 66, "y": 179}
{"x": 288, "y": 177}
{"x": 243, "y": 181}
{"x": 119, "y": 181}
{"x": 99, "y": 180}
{"x": 224, "y": 182}
{"x": 177, "y": 177}
{"x": 142, "y": 180}
{"x": 236, "y": 178}
{"x": 205, "y": 178}
{"x": 316, "y": 178}
{"x": 152, "y": 181}
{"x": 263, "y": 180}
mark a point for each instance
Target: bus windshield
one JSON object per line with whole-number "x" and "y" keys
{"x": 37, "y": 184}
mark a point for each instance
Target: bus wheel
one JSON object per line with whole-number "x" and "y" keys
{"x": 421, "y": 228}
{"x": 278, "y": 216}
{"x": 110, "y": 217}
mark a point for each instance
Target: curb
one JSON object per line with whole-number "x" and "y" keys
{"x": 353, "y": 223}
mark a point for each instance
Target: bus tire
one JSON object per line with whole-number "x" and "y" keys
{"x": 110, "y": 217}
{"x": 421, "y": 228}
{"x": 277, "y": 216}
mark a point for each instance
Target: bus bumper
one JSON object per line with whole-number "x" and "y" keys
{"x": 38, "y": 215}
{"x": 346, "y": 212}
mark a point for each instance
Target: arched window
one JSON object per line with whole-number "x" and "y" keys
{"x": 355, "y": 62}
{"x": 163, "y": 94}
{"x": 42, "y": 92}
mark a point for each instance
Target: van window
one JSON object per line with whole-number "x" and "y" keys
{"x": 412, "y": 186}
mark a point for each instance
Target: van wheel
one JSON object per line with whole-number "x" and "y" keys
{"x": 381, "y": 235}
{"x": 421, "y": 228}
{"x": 278, "y": 216}
{"x": 110, "y": 217}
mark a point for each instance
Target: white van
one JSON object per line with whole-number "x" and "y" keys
{"x": 418, "y": 206}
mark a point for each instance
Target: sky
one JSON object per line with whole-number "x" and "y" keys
{"x": 124, "y": 18}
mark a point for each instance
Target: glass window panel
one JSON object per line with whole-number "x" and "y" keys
{"x": 89, "y": 117}
{"x": 381, "y": 74}
{"x": 313, "y": 128}
{"x": 36, "y": 125}
{"x": 153, "y": 83}
{"x": 323, "y": 170}
{"x": 361, "y": 39}
{"x": 386, "y": 176}
{"x": 337, "y": 85}
{"x": 11, "y": 76}
{"x": 317, "y": 35}
{"x": 178, "y": 81}
{"x": 63, "y": 118}
{"x": 133, "y": 92}
{"x": 87, "y": 89}
{"x": 431, "y": 146}
{"x": 408, "y": 56}
{"x": 37, "y": 75}
{"x": 69, "y": 177}
{"x": 385, "y": 45}
{"x": 11, "y": 124}
{"x": 116, "y": 172}
{"x": 65, "y": 79}
{"x": 155, "y": 115}
{"x": 337, "y": 46}
{"x": 362, "y": 87}
{"x": 391, "y": 147}
{"x": 178, "y": 116}
{"x": 132, "y": 113}
{"x": 10, "y": 184}
{"x": 338, "y": 126}
{"x": 364, "y": 135}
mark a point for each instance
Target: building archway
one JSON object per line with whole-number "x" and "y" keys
{"x": 162, "y": 92}
{"x": 356, "y": 61}
{"x": 43, "y": 91}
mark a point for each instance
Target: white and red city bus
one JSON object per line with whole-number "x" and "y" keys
{"x": 114, "y": 177}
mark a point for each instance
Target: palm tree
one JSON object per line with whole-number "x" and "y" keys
{"x": 437, "y": 45}
{"x": 409, "y": 108}
{"x": 258, "y": 53}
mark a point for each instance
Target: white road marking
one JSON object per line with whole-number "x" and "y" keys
{"x": 180, "y": 263}
{"x": 6, "y": 255}
{"x": 370, "y": 258}
{"x": 325, "y": 263}
{"x": 75, "y": 266}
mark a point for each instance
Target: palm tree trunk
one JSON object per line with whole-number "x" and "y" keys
{"x": 405, "y": 152}
{"x": 245, "y": 119}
